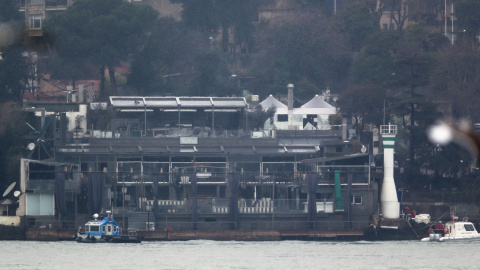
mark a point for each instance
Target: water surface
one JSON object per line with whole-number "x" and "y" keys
{"x": 203, "y": 254}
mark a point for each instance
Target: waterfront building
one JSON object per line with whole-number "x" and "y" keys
{"x": 186, "y": 163}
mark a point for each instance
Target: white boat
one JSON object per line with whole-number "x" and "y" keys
{"x": 452, "y": 231}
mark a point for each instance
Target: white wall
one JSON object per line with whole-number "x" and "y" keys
{"x": 10, "y": 220}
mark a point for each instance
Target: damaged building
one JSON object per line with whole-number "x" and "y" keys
{"x": 195, "y": 163}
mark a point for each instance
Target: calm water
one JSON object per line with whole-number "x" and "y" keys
{"x": 240, "y": 255}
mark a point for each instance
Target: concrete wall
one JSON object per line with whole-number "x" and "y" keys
{"x": 10, "y": 220}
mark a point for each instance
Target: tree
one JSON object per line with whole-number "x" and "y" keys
{"x": 169, "y": 52}
{"x": 456, "y": 77}
{"x": 9, "y": 11}
{"x": 427, "y": 12}
{"x": 11, "y": 24}
{"x": 402, "y": 62}
{"x": 364, "y": 103}
{"x": 209, "y": 16}
{"x": 414, "y": 63}
{"x": 468, "y": 17}
{"x": 100, "y": 33}
{"x": 307, "y": 51}
{"x": 259, "y": 116}
{"x": 357, "y": 22}
{"x": 14, "y": 73}
{"x": 211, "y": 75}
{"x": 12, "y": 131}
{"x": 375, "y": 63}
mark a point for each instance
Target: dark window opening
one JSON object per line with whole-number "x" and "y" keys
{"x": 356, "y": 199}
{"x": 282, "y": 117}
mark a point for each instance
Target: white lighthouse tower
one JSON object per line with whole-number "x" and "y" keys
{"x": 388, "y": 197}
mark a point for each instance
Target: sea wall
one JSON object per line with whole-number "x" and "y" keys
{"x": 12, "y": 233}
{"x": 49, "y": 234}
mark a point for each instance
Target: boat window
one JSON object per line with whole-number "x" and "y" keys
{"x": 114, "y": 229}
{"x": 469, "y": 228}
{"x": 103, "y": 228}
{"x": 109, "y": 228}
{"x": 94, "y": 228}
{"x": 87, "y": 228}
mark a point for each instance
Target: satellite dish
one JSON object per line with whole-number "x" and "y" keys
{"x": 31, "y": 146}
{"x": 17, "y": 193}
{"x": 9, "y": 189}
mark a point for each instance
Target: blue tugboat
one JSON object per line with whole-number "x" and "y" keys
{"x": 104, "y": 231}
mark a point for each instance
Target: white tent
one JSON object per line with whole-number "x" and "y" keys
{"x": 272, "y": 102}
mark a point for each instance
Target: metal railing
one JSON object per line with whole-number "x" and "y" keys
{"x": 34, "y": 223}
{"x": 280, "y": 225}
{"x": 245, "y": 206}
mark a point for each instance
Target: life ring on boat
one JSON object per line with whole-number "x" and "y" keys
{"x": 446, "y": 230}
{"x": 430, "y": 231}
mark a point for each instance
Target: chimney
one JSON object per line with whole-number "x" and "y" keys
{"x": 290, "y": 96}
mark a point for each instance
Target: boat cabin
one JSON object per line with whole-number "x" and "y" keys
{"x": 107, "y": 226}
{"x": 460, "y": 229}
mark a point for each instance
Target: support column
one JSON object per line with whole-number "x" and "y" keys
{"x": 193, "y": 181}
{"x": 338, "y": 192}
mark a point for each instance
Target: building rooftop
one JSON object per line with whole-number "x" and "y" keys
{"x": 176, "y": 103}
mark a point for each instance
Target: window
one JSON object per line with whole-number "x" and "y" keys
{"x": 41, "y": 204}
{"x": 36, "y": 21}
{"x": 469, "y": 228}
{"x": 282, "y": 117}
{"x": 356, "y": 199}
{"x": 94, "y": 228}
{"x": 103, "y": 228}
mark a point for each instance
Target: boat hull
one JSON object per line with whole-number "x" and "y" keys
{"x": 437, "y": 238}
{"x": 108, "y": 239}
{"x": 461, "y": 238}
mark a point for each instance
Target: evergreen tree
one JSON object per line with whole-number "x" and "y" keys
{"x": 100, "y": 33}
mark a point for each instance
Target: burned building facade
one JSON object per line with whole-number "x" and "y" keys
{"x": 186, "y": 163}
